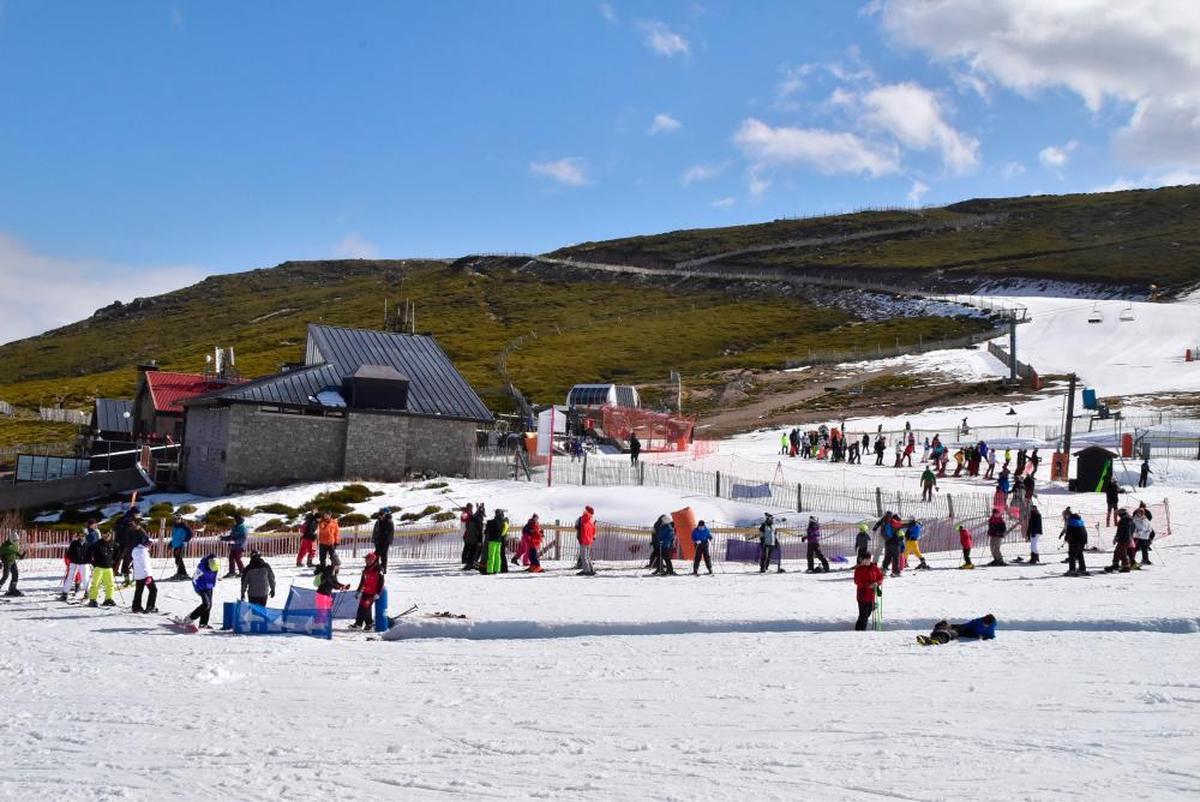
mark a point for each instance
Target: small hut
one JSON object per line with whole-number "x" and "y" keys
{"x": 1093, "y": 469}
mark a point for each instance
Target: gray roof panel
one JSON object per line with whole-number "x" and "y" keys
{"x": 110, "y": 414}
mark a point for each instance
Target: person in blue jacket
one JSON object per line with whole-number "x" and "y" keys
{"x": 666, "y": 544}
{"x": 237, "y": 545}
{"x": 181, "y": 533}
{"x": 701, "y": 537}
{"x": 983, "y": 628}
{"x": 203, "y": 582}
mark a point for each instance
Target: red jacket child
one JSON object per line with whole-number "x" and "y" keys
{"x": 964, "y": 537}
{"x": 370, "y": 585}
{"x": 587, "y": 527}
{"x": 866, "y": 576}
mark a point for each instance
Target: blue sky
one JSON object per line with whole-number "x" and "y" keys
{"x": 146, "y": 144}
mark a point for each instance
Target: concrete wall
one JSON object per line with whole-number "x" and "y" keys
{"x": 34, "y": 495}
{"x": 206, "y": 436}
{"x": 271, "y": 448}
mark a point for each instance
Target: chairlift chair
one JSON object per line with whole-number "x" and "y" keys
{"x": 1127, "y": 313}
{"x": 1096, "y": 316}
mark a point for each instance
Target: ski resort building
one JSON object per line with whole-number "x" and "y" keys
{"x": 364, "y": 405}
{"x": 158, "y": 404}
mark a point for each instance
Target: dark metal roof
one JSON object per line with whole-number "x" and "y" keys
{"x": 435, "y": 386}
{"x": 113, "y": 415}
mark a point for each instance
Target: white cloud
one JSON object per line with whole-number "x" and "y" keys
{"x": 756, "y": 183}
{"x": 570, "y": 171}
{"x": 1056, "y": 156}
{"x": 913, "y": 115}
{"x": 1140, "y": 52}
{"x": 1171, "y": 178}
{"x": 40, "y": 292}
{"x": 663, "y": 123}
{"x": 1012, "y": 170}
{"x": 354, "y": 246}
{"x": 824, "y": 151}
{"x": 919, "y": 188}
{"x": 609, "y": 14}
{"x": 701, "y": 172}
{"x": 723, "y": 203}
{"x": 662, "y": 40}
{"x": 1116, "y": 185}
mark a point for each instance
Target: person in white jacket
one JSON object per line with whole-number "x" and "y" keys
{"x": 144, "y": 578}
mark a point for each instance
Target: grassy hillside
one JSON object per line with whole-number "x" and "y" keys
{"x": 587, "y": 329}
{"x": 1135, "y": 237}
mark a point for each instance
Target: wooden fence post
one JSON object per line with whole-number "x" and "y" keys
{"x": 879, "y": 502}
{"x": 641, "y": 473}
{"x": 799, "y": 499}
{"x": 718, "y": 493}
{"x": 950, "y": 504}
{"x": 583, "y": 482}
{"x": 557, "y": 539}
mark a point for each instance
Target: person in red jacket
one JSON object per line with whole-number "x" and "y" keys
{"x": 868, "y": 579}
{"x": 533, "y": 535}
{"x": 587, "y": 536}
{"x": 964, "y": 540}
{"x": 369, "y": 588}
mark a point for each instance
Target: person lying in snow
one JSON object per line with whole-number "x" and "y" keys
{"x": 983, "y": 628}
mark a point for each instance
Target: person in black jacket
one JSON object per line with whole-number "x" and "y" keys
{"x": 495, "y": 531}
{"x": 104, "y": 556}
{"x": 128, "y": 533}
{"x": 1122, "y": 543}
{"x": 1033, "y": 530}
{"x": 1113, "y": 499}
{"x": 79, "y": 561}
{"x": 635, "y": 448}
{"x": 382, "y": 535}
{"x": 472, "y": 537}
{"x": 258, "y": 580}
{"x": 309, "y": 531}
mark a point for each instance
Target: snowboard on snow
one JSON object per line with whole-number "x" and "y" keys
{"x": 184, "y": 626}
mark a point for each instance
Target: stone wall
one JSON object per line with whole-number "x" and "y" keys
{"x": 441, "y": 446}
{"x": 206, "y": 436}
{"x": 376, "y": 446}
{"x": 273, "y": 448}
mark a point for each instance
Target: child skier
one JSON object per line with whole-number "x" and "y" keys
{"x": 1033, "y": 531}
{"x": 104, "y": 555}
{"x": 237, "y": 545}
{"x": 587, "y": 537}
{"x": 143, "y": 577}
{"x": 1143, "y": 535}
{"x": 862, "y": 540}
{"x": 868, "y": 583}
{"x": 495, "y": 534}
{"x": 666, "y": 545}
{"x": 928, "y": 483}
{"x": 701, "y": 538}
{"x": 258, "y": 580}
{"x": 326, "y": 581}
{"x": 533, "y": 536}
{"x": 996, "y": 531}
{"x": 983, "y": 628}
{"x": 308, "y": 538}
{"x": 181, "y": 533}
{"x": 10, "y": 553}
{"x": 204, "y": 581}
{"x": 1075, "y": 533}
{"x": 912, "y": 541}
{"x": 79, "y": 562}
{"x": 812, "y": 536}
{"x": 964, "y": 540}
{"x": 1122, "y": 543}
{"x": 370, "y": 585}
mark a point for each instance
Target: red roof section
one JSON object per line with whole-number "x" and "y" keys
{"x": 168, "y": 390}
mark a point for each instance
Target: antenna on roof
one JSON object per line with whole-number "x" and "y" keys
{"x": 232, "y": 361}
{"x": 220, "y": 360}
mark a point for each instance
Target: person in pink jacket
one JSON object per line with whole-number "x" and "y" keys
{"x": 587, "y": 536}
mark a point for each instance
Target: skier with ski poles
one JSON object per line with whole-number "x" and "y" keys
{"x": 701, "y": 538}
{"x": 104, "y": 555}
{"x": 868, "y": 583}
{"x": 79, "y": 562}
{"x": 143, "y": 577}
{"x": 812, "y": 536}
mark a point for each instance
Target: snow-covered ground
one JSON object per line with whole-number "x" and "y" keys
{"x": 624, "y": 686}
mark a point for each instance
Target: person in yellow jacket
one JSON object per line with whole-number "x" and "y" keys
{"x": 328, "y": 536}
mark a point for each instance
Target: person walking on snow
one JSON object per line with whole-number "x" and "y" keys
{"x": 381, "y": 536}
{"x": 181, "y": 533}
{"x": 666, "y": 545}
{"x": 991, "y": 464}
{"x": 701, "y": 538}
{"x": 635, "y": 448}
{"x": 472, "y": 535}
{"x": 532, "y": 534}
{"x": 1034, "y": 459}
{"x": 912, "y": 542}
{"x": 996, "y": 530}
{"x": 370, "y": 585}
{"x": 1122, "y": 543}
{"x": 862, "y": 539}
{"x": 328, "y": 536}
{"x": 495, "y": 535}
{"x": 1144, "y": 476}
{"x": 655, "y": 565}
{"x": 1143, "y": 535}
{"x": 10, "y": 554}
{"x": 928, "y": 483}
{"x": 1075, "y": 533}
{"x": 237, "y": 545}
{"x": 1112, "y": 499}
{"x": 104, "y": 555}
{"x": 868, "y": 583}
{"x": 258, "y": 580}
{"x": 812, "y": 536}
{"x": 1033, "y": 531}
{"x": 79, "y": 561}
{"x": 204, "y": 581}
{"x": 880, "y": 445}
{"x": 965, "y": 541}
{"x": 143, "y": 578}
{"x": 888, "y": 526}
{"x": 587, "y": 537}
{"x": 784, "y": 444}
{"x": 308, "y": 539}
{"x": 768, "y": 545}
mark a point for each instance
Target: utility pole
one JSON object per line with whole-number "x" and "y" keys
{"x": 678, "y": 377}
{"x": 1012, "y": 347}
{"x": 1067, "y": 430}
